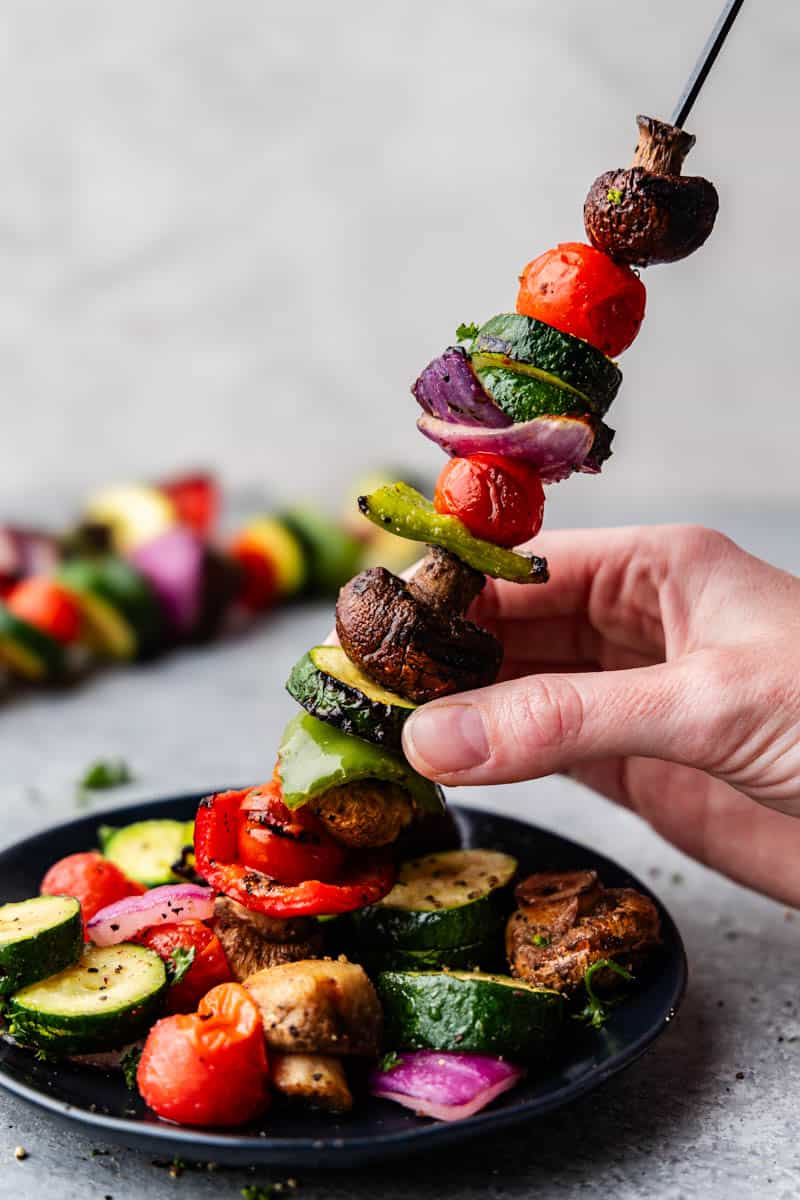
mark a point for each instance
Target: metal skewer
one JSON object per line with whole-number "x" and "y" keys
{"x": 705, "y": 62}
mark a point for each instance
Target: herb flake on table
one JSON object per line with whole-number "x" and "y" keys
{"x": 102, "y": 775}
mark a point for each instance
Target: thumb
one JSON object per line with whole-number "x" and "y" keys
{"x": 543, "y": 724}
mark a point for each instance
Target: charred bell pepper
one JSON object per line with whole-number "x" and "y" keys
{"x": 365, "y": 880}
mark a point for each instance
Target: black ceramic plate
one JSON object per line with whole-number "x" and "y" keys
{"x": 377, "y": 1129}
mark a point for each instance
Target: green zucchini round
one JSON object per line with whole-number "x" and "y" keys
{"x": 452, "y": 899}
{"x": 120, "y": 609}
{"x": 146, "y": 850}
{"x": 526, "y": 393}
{"x": 485, "y": 956}
{"x": 38, "y": 937}
{"x": 333, "y": 689}
{"x": 29, "y": 652}
{"x": 570, "y": 359}
{"x": 109, "y": 998}
{"x": 472, "y": 1012}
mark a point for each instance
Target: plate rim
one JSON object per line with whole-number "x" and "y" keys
{"x": 338, "y": 1151}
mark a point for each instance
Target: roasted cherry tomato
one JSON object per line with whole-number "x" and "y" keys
{"x": 365, "y": 877}
{"x": 91, "y": 879}
{"x": 288, "y": 846}
{"x": 260, "y": 583}
{"x": 196, "y": 501}
{"x": 499, "y": 499}
{"x": 582, "y": 291}
{"x": 209, "y": 966}
{"x": 42, "y": 602}
{"x": 208, "y": 1067}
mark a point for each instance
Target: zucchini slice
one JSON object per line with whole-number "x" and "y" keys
{"x": 524, "y": 392}
{"x": 333, "y": 689}
{"x": 574, "y": 362}
{"x": 28, "y": 651}
{"x": 120, "y": 610}
{"x": 457, "y": 898}
{"x": 146, "y": 850}
{"x": 462, "y": 1010}
{"x": 37, "y": 938}
{"x": 332, "y": 554}
{"x": 109, "y": 998}
{"x": 374, "y": 959}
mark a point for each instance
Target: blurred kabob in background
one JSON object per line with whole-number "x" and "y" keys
{"x": 148, "y": 567}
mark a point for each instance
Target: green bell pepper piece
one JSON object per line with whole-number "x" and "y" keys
{"x": 314, "y": 757}
{"x": 406, "y": 512}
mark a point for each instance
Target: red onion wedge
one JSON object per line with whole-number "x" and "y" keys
{"x": 449, "y": 390}
{"x": 173, "y": 565}
{"x": 124, "y": 919}
{"x": 555, "y": 445}
{"x": 444, "y": 1085}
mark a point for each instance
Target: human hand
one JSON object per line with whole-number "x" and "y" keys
{"x": 661, "y": 667}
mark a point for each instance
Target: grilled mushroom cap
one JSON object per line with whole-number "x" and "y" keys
{"x": 412, "y": 638}
{"x": 564, "y": 926}
{"x": 650, "y": 213}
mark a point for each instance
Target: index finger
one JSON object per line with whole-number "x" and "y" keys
{"x": 579, "y": 560}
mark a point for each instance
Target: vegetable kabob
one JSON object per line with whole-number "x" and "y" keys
{"x": 147, "y": 570}
{"x": 517, "y": 403}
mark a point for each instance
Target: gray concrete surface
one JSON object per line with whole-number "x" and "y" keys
{"x": 710, "y": 1112}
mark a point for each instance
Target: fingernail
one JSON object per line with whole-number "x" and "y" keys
{"x": 446, "y": 738}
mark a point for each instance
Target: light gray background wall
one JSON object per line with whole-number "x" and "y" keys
{"x": 233, "y": 232}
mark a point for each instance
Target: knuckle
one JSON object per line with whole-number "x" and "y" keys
{"x": 546, "y": 714}
{"x": 698, "y": 542}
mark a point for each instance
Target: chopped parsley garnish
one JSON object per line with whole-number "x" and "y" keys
{"x": 389, "y": 1061}
{"x": 106, "y": 773}
{"x": 467, "y": 331}
{"x": 541, "y": 939}
{"x": 178, "y": 963}
{"x": 130, "y": 1065}
{"x": 596, "y": 1012}
{"x": 614, "y": 195}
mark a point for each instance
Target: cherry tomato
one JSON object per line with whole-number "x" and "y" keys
{"x": 499, "y": 499}
{"x": 208, "y": 1067}
{"x": 44, "y": 603}
{"x": 259, "y": 587}
{"x": 196, "y": 501}
{"x": 91, "y": 879}
{"x": 582, "y": 291}
{"x": 288, "y": 846}
{"x": 209, "y": 966}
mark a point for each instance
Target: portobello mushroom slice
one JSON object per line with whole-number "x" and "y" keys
{"x": 412, "y": 637}
{"x": 650, "y": 213}
{"x": 253, "y": 941}
{"x": 318, "y": 1006}
{"x": 552, "y": 940}
{"x": 316, "y": 1079}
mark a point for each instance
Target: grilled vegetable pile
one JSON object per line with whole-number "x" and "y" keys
{"x": 147, "y": 570}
